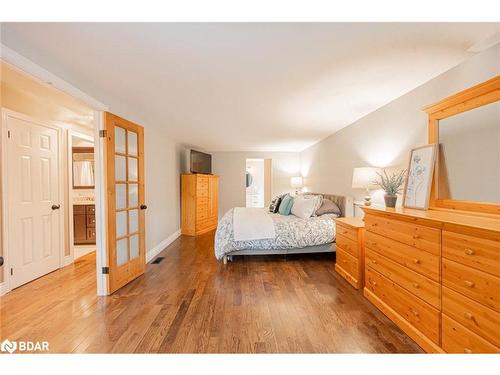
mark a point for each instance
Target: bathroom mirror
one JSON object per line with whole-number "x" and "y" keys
{"x": 83, "y": 168}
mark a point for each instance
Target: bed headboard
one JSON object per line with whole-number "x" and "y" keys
{"x": 346, "y": 204}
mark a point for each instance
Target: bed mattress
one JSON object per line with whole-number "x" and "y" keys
{"x": 292, "y": 232}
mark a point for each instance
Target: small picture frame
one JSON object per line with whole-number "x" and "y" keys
{"x": 419, "y": 177}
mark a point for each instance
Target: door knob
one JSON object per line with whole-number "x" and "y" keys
{"x": 56, "y": 206}
{"x": 143, "y": 206}
{"x": 1, "y": 261}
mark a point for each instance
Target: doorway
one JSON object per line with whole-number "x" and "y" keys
{"x": 81, "y": 187}
{"x": 258, "y": 182}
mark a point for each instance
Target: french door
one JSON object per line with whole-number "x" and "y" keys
{"x": 125, "y": 200}
{"x": 33, "y": 190}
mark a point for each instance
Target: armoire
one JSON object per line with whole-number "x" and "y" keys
{"x": 199, "y": 203}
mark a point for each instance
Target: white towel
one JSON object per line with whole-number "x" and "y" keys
{"x": 252, "y": 224}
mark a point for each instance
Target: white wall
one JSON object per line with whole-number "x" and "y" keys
{"x": 162, "y": 169}
{"x": 231, "y": 167}
{"x": 384, "y": 137}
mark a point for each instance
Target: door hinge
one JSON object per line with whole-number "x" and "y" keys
{"x": 105, "y": 270}
{"x": 11, "y": 271}
{"x": 8, "y": 133}
{"x": 103, "y": 133}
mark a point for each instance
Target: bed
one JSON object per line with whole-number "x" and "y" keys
{"x": 293, "y": 235}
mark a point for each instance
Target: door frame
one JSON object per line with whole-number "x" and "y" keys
{"x": 42, "y": 75}
{"x": 71, "y": 226}
{"x": 4, "y": 168}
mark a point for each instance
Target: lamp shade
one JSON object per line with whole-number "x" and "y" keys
{"x": 364, "y": 177}
{"x": 297, "y": 182}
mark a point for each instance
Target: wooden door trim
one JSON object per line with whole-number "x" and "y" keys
{"x": 109, "y": 153}
{"x": 6, "y": 285}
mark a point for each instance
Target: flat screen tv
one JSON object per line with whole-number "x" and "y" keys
{"x": 200, "y": 162}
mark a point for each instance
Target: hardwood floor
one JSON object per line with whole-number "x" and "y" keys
{"x": 190, "y": 303}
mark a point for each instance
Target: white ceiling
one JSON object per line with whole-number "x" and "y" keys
{"x": 253, "y": 86}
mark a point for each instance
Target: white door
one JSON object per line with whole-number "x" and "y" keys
{"x": 33, "y": 199}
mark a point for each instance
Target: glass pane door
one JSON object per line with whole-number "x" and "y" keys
{"x": 126, "y": 208}
{"x": 127, "y": 195}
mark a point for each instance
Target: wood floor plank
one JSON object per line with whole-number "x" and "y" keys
{"x": 190, "y": 303}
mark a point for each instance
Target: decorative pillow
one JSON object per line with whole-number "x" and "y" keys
{"x": 286, "y": 205}
{"x": 328, "y": 207}
{"x": 275, "y": 204}
{"x": 319, "y": 201}
{"x": 304, "y": 207}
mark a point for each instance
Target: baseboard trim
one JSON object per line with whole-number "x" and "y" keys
{"x": 80, "y": 251}
{"x": 151, "y": 253}
{"x": 3, "y": 288}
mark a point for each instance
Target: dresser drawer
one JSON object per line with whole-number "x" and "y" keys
{"x": 458, "y": 339}
{"x": 477, "y": 285}
{"x": 421, "y": 315}
{"x": 90, "y": 221}
{"x": 348, "y": 263}
{"x": 479, "y": 253}
{"x": 415, "y": 259}
{"x": 421, "y": 237}
{"x": 348, "y": 245}
{"x": 413, "y": 282}
{"x": 472, "y": 315}
{"x": 90, "y": 210}
{"x": 201, "y": 212}
{"x": 202, "y": 200}
{"x": 347, "y": 232}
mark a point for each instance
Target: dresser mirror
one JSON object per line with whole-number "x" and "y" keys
{"x": 467, "y": 128}
{"x": 470, "y": 155}
{"x": 83, "y": 168}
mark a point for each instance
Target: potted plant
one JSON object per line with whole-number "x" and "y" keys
{"x": 392, "y": 184}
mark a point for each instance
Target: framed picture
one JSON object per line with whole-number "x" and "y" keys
{"x": 419, "y": 177}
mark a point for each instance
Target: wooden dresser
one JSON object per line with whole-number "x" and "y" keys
{"x": 350, "y": 250}
{"x": 84, "y": 224}
{"x": 199, "y": 203}
{"x": 436, "y": 274}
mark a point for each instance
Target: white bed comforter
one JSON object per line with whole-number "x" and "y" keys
{"x": 252, "y": 224}
{"x": 291, "y": 232}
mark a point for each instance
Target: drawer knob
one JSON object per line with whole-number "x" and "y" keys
{"x": 468, "y": 315}
{"x": 469, "y": 251}
{"x": 416, "y": 285}
{"x": 374, "y": 283}
{"x": 374, "y": 224}
{"x": 468, "y": 283}
{"x": 416, "y": 261}
{"x": 374, "y": 261}
{"x": 415, "y": 312}
{"x": 344, "y": 232}
{"x": 467, "y": 351}
{"x": 416, "y": 236}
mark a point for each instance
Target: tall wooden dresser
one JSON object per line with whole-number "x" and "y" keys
{"x": 199, "y": 203}
{"x": 436, "y": 274}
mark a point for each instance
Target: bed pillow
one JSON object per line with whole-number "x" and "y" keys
{"x": 286, "y": 205}
{"x": 319, "y": 201}
{"x": 304, "y": 207}
{"x": 275, "y": 204}
{"x": 328, "y": 207}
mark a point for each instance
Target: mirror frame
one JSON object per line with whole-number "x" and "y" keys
{"x": 485, "y": 93}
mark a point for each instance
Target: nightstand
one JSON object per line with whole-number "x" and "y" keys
{"x": 351, "y": 250}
